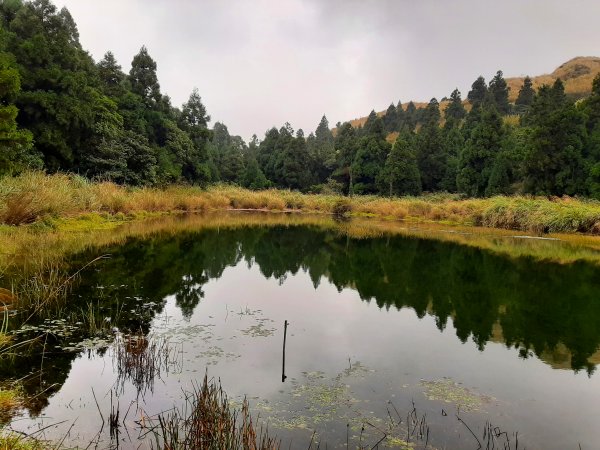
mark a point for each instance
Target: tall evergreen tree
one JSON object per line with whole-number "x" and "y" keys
{"x": 455, "y": 111}
{"x": 480, "y": 151}
{"x": 194, "y": 121}
{"x": 591, "y": 109}
{"x": 346, "y": 145}
{"x": 296, "y": 163}
{"x": 453, "y": 142}
{"x": 372, "y": 119}
{"x": 431, "y": 155}
{"x": 111, "y": 76}
{"x": 498, "y": 90}
{"x": 478, "y": 92}
{"x": 371, "y": 153}
{"x": 400, "y": 116}
{"x": 143, "y": 79}
{"x": 253, "y": 177}
{"x": 554, "y": 163}
{"x": 525, "y": 97}
{"x": 322, "y": 150}
{"x": 58, "y": 83}
{"x": 401, "y": 175}
{"x": 16, "y": 153}
{"x": 390, "y": 120}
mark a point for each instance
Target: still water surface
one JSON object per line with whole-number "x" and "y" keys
{"x": 380, "y": 329}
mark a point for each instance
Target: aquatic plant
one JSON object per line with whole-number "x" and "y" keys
{"x": 141, "y": 359}
{"x": 208, "y": 421}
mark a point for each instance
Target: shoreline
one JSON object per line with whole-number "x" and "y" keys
{"x": 37, "y": 199}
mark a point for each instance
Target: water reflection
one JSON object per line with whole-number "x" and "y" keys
{"x": 546, "y": 310}
{"x": 549, "y": 309}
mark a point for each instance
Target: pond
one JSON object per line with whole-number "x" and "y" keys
{"x": 405, "y": 341}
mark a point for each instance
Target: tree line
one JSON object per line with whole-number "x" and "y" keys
{"x": 62, "y": 111}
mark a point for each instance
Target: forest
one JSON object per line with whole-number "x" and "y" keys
{"x": 61, "y": 111}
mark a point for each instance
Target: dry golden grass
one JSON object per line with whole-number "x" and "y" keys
{"x": 76, "y": 215}
{"x": 577, "y": 75}
{"x": 45, "y": 199}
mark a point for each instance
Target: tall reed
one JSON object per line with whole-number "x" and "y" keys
{"x": 209, "y": 422}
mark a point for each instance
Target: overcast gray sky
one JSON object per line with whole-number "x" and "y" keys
{"x": 258, "y": 64}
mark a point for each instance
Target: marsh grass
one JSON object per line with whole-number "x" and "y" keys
{"x": 11, "y": 399}
{"x": 141, "y": 359}
{"x": 208, "y": 421}
{"x": 49, "y": 284}
{"x": 13, "y": 441}
{"x": 37, "y": 276}
{"x": 44, "y": 199}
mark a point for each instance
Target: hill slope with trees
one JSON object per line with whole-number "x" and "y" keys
{"x": 61, "y": 111}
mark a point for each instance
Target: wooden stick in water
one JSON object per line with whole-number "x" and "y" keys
{"x": 283, "y": 376}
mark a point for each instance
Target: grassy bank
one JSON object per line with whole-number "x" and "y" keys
{"x": 35, "y": 197}
{"x": 53, "y": 217}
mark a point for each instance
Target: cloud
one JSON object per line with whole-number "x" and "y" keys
{"x": 259, "y": 64}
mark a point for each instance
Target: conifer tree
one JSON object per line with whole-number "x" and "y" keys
{"x": 16, "y": 153}
{"x": 345, "y": 147}
{"x": 371, "y": 120}
{"x": 478, "y": 92}
{"x": 143, "y": 79}
{"x": 111, "y": 76}
{"x": 525, "y": 97}
{"x": 400, "y": 116}
{"x": 453, "y": 142}
{"x": 554, "y": 163}
{"x": 322, "y": 150}
{"x": 431, "y": 155}
{"x": 410, "y": 116}
{"x": 480, "y": 151}
{"x": 390, "y": 120}
{"x": 401, "y": 174}
{"x": 455, "y": 111}
{"x": 591, "y": 109}
{"x": 498, "y": 90}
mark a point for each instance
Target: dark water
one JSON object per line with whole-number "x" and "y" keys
{"x": 380, "y": 330}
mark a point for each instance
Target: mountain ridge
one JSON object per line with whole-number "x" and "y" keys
{"x": 577, "y": 75}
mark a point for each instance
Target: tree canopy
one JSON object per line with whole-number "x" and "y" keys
{"x": 62, "y": 111}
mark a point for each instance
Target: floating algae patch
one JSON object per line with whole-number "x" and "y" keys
{"x": 215, "y": 354}
{"x": 398, "y": 443}
{"x": 67, "y": 336}
{"x": 259, "y": 329}
{"x": 317, "y": 401}
{"x": 186, "y": 333}
{"x": 447, "y": 390}
{"x": 356, "y": 370}
{"x": 56, "y": 327}
{"x": 94, "y": 343}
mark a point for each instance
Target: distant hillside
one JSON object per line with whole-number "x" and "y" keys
{"x": 577, "y": 74}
